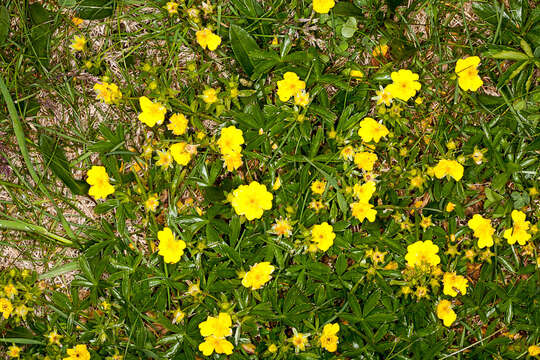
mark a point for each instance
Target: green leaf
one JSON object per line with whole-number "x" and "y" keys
{"x": 506, "y": 55}
{"x": 520, "y": 199}
{"x": 349, "y": 28}
{"x": 371, "y": 303}
{"x": 347, "y": 9}
{"x": 21, "y": 341}
{"x": 38, "y": 14}
{"x": 4, "y": 24}
{"x": 243, "y": 44}
{"x": 393, "y": 4}
{"x": 59, "y": 270}
{"x": 56, "y": 160}
{"x": 95, "y": 9}
{"x": 68, "y": 3}
{"x": 19, "y": 225}
{"x": 492, "y": 198}
{"x": 511, "y": 72}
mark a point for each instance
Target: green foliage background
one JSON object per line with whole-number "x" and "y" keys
{"x": 498, "y": 318}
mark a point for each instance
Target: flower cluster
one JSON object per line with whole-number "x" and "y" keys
{"x": 230, "y": 145}
{"x": 215, "y": 330}
{"x": 109, "y": 93}
{"x": 292, "y": 86}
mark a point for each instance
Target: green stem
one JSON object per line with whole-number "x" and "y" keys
{"x": 23, "y": 226}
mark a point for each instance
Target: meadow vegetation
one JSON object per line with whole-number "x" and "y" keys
{"x": 269, "y": 179}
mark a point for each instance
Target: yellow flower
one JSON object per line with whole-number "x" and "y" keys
{"x": 230, "y": 140}
{"x": 10, "y": 291}
{"x": 316, "y": 205}
{"x": 363, "y": 210}
{"x": 194, "y": 289}
{"x": 14, "y": 351}
{"x": 467, "y": 72}
{"x": 356, "y": 74}
{"x": 79, "y": 352}
{"x": 171, "y": 7}
{"x": 365, "y": 191}
{"x": 277, "y": 184}
{"x": 405, "y": 290}
{"x": 219, "y": 345}
{"x": 318, "y": 187}
{"x": 151, "y": 203}
{"x": 282, "y": 227}
{"x": 470, "y": 254}
{"x": 232, "y": 160}
{"x": 258, "y": 275}
{"x": 178, "y": 124}
{"x": 422, "y": 253}
{"x": 77, "y": 21}
{"x": 347, "y": 153}
{"x": 152, "y": 112}
{"x": 272, "y": 348}
{"x": 421, "y": 292}
{"x": 372, "y": 130}
{"x": 534, "y": 350}
{"x": 450, "y": 206}
{"x": 329, "y": 339}
{"x": 193, "y": 13}
{"x": 178, "y": 315}
{"x": 179, "y": 153}
{"x": 445, "y": 312}
{"x": 219, "y": 326}
{"x": 323, "y": 236}
{"x": 365, "y": 160}
{"x": 417, "y": 181}
{"x": 378, "y": 257}
{"x": 383, "y": 96}
{"x": 323, "y": 6}
{"x": 405, "y": 84}
{"x": 21, "y": 310}
{"x": 207, "y": 7}
{"x": 380, "y": 50}
{"x": 207, "y": 39}
{"x": 54, "y": 337}
{"x": 519, "y": 231}
{"x": 426, "y": 222}
{"x": 289, "y": 86}
{"x": 478, "y": 155}
{"x": 98, "y": 179}
{"x": 299, "y": 341}
{"x": 209, "y": 96}
{"x": 78, "y": 43}
{"x": 454, "y": 284}
{"x": 164, "y": 159}
{"x": 482, "y": 230}
{"x": 448, "y": 167}
{"x": 301, "y": 98}
{"x": 251, "y": 200}
{"x": 108, "y": 93}
{"x": 170, "y": 248}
